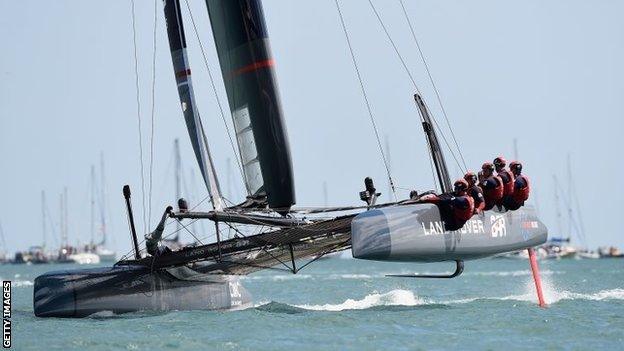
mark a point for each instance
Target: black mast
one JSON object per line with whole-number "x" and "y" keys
{"x": 434, "y": 146}
{"x": 182, "y": 70}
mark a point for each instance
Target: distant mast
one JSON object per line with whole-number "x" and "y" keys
{"x": 92, "y": 205}
{"x": 246, "y": 61}
{"x": 557, "y": 209}
{"x": 43, "y": 218}
{"x": 102, "y": 200}
{"x": 66, "y": 216}
{"x": 182, "y": 70}
{"x": 178, "y": 182}
{"x": 389, "y": 161}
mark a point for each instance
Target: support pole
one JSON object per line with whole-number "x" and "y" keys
{"x": 218, "y": 239}
{"x": 536, "y": 277}
{"x": 126, "y": 193}
{"x": 292, "y": 259}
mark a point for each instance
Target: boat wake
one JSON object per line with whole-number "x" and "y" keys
{"x": 406, "y": 298}
{"x": 553, "y": 295}
{"x": 397, "y": 297}
{"x": 20, "y": 283}
{"x": 517, "y": 273}
{"x": 557, "y": 296}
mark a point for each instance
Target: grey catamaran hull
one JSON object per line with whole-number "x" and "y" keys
{"x": 122, "y": 289}
{"x": 416, "y": 233}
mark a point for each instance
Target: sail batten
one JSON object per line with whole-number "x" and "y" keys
{"x": 247, "y": 68}
{"x": 182, "y": 73}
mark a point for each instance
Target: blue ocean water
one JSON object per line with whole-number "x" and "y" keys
{"x": 345, "y": 304}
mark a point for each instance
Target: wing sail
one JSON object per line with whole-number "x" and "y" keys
{"x": 177, "y": 45}
{"x": 247, "y": 68}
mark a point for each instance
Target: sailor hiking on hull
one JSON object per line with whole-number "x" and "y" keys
{"x": 492, "y": 186}
{"x": 521, "y": 188}
{"x": 507, "y": 177}
{"x": 456, "y": 208}
{"x": 475, "y": 192}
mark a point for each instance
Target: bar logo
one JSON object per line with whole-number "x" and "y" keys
{"x": 6, "y": 314}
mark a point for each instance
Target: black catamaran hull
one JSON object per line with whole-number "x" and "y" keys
{"x": 191, "y": 278}
{"x": 122, "y": 289}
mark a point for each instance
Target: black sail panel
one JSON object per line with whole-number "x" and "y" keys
{"x": 247, "y": 67}
{"x": 177, "y": 45}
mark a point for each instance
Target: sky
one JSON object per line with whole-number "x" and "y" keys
{"x": 548, "y": 74}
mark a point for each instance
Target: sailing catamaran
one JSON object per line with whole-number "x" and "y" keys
{"x": 268, "y": 233}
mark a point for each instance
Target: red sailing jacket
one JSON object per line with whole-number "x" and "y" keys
{"x": 522, "y": 189}
{"x": 508, "y": 181}
{"x": 477, "y": 195}
{"x": 463, "y": 208}
{"x": 492, "y": 191}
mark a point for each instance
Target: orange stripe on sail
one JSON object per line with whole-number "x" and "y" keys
{"x": 255, "y": 66}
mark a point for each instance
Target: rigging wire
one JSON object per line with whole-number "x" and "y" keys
{"x": 189, "y": 231}
{"x": 411, "y": 77}
{"x": 448, "y": 146}
{"x": 368, "y": 106}
{"x": 151, "y": 158}
{"x": 396, "y": 50}
{"x": 214, "y": 89}
{"x": 138, "y": 101}
{"x": 435, "y": 88}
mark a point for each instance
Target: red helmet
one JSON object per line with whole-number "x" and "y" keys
{"x": 488, "y": 167}
{"x": 470, "y": 177}
{"x": 515, "y": 167}
{"x": 460, "y": 185}
{"x": 500, "y": 162}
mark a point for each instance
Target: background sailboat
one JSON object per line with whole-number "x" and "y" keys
{"x": 101, "y": 247}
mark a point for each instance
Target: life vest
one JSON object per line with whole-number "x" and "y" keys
{"x": 521, "y": 191}
{"x": 508, "y": 181}
{"x": 463, "y": 208}
{"x": 492, "y": 191}
{"x": 477, "y": 195}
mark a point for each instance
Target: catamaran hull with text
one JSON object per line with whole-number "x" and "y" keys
{"x": 416, "y": 233}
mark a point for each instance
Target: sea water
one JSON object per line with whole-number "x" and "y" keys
{"x": 347, "y": 304}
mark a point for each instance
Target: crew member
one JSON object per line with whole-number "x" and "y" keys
{"x": 475, "y": 192}
{"x": 480, "y": 177}
{"x": 492, "y": 186}
{"x": 456, "y": 208}
{"x": 507, "y": 177}
{"x": 521, "y": 188}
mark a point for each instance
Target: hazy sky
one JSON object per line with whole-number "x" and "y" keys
{"x": 547, "y": 73}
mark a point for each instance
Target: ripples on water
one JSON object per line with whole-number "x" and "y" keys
{"x": 348, "y": 304}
